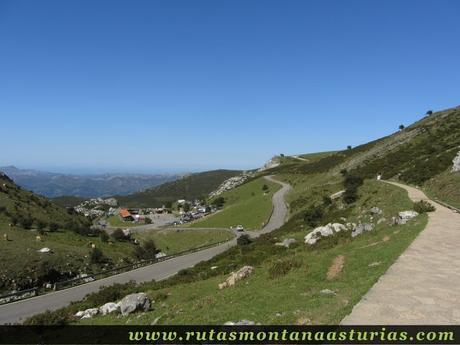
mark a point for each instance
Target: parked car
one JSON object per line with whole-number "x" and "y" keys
{"x": 239, "y": 228}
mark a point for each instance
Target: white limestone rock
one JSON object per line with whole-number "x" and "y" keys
{"x": 324, "y": 231}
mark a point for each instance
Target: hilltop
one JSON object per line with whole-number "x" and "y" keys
{"x": 189, "y": 187}
{"x": 53, "y": 185}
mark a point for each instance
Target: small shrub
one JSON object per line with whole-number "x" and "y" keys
{"x": 103, "y": 236}
{"x": 119, "y": 235}
{"x": 423, "y": 207}
{"x": 219, "y": 202}
{"x": 313, "y": 215}
{"x": 97, "y": 257}
{"x": 53, "y": 227}
{"x": 26, "y": 222}
{"x": 147, "y": 251}
{"x": 147, "y": 220}
{"x": 244, "y": 240}
{"x": 282, "y": 267}
{"x": 49, "y": 318}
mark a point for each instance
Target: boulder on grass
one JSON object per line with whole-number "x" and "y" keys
{"x": 236, "y": 276}
{"x": 404, "y": 217}
{"x": 109, "y": 308}
{"x": 324, "y": 231}
{"x": 134, "y": 302}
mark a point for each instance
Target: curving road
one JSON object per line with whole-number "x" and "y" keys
{"x": 16, "y": 312}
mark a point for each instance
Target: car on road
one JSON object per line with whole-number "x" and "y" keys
{"x": 239, "y": 228}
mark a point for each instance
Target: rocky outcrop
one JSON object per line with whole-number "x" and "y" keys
{"x": 88, "y": 313}
{"x": 234, "y": 277}
{"x": 360, "y": 228}
{"x": 375, "y": 211}
{"x": 403, "y": 217}
{"x": 109, "y": 308}
{"x": 324, "y": 231}
{"x": 456, "y": 161}
{"x": 229, "y": 184}
{"x": 134, "y": 302}
{"x": 286, "y": 242}
{"x": 272, "y": 163}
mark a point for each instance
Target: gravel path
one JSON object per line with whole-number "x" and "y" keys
{"x": 18, "y": 311}
{"x": 423, "y": 285}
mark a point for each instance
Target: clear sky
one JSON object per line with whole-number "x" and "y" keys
{"x": 192, "y": 85}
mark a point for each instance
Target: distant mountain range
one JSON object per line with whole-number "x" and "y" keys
{"x": 86, "y": 186}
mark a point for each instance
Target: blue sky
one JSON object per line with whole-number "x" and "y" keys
{"x": 193, "y": 85}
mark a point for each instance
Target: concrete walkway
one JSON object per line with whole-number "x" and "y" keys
{"x": 423, "y": 285}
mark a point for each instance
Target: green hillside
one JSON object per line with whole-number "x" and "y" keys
{"x": 189, "y": 187}
{"x": 313, "y": 288}
{"x": 23, "y": 217}
{"x": 248, "y": 205}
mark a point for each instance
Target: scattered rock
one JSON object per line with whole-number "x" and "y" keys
{"x": 236, "y": 276}
{"x": 240, "y": 323}
{"x": 381, "y": 220}
{"x": 109, "y": 308}
{"x": 376, "y": 210}
{"x": 44, "y": 250}
{"x": 324, "y": 231}
{"x": 134, "y": 302}
{"x": 336, "y": 267}
{"x": 286, "y": 242}
{"x": 360, "y": 228}
{"x": 88, "y": 313}
{"x": 456, "y": 162}
{"x": 327, "y": 292}
{"x": 374, "y": 264}
{"x": 404, "y": 217}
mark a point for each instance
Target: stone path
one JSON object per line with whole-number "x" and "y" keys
{"x": 423, "y": 285}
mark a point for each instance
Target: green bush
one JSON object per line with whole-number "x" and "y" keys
{"x": 49, "y": 318}
{"x": 282, "y": 267}
{"x": 119, "y": 235}
{"x": 53, "y": 227}
{"x": 104, "y": 237}
{"x": 313, "y": 215}
{"x": 423, "y": 207}
{"x": 96, "y": 256}
{"x": 147, "y": 251}
{"x": 243, "y": 240}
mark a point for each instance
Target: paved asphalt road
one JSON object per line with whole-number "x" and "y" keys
{"x": 16, "y": 312}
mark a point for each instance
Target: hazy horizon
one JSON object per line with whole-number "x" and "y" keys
{"x": 180, "y": 86}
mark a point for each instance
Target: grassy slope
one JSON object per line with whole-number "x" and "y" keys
{"x": 421, "y": 152}
{"x": 295, "y": 296}
{"x": 190, "y": 187}
{"x": 172, "y": 241}
{"x": 445, "y": 187}
{"x": 247, "y": 205}
{"x": 69, "y": 250}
